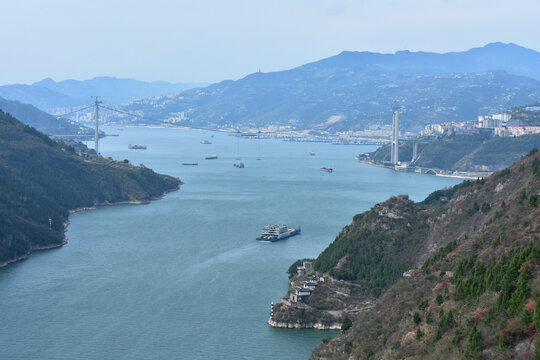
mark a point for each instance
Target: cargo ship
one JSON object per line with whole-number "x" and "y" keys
{"x": 137, "y": 147}
{"x": 328, "y": 170}
{"x": 277, "y": 232}
{"x": 211, "y": 157}
{"x": 206, "y": 142}
{"x": 192, "y": 163}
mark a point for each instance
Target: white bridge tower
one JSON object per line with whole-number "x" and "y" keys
{"x": 394, "y": 155}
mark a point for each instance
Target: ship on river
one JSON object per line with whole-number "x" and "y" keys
{"x": 277, "y": 232}
{"x": 137, "y": 147}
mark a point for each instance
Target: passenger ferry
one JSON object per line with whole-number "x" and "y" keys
{"x": 277, "y": 232}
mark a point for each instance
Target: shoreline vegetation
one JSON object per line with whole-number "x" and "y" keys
{"x": 43, "y": 181}
{"x": 457, "y": 273}
{"x": 81, "y": 209}
{"x": 467, "y": 156}
{"x": 467, "y": 175}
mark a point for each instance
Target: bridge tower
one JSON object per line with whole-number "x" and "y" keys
{"x": 394, "y": 155}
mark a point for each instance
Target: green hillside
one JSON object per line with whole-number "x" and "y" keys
{"x": 478, "y": 281}
{"x": 464, "y": 152}
{"x": 41, "y": 178}
{"x": 42, "y": 121}
{"x": 456, "y": 276}
{"x": 525, "y": 115}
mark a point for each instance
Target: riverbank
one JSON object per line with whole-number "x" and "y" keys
{"x": 320, "y": 302}
{"x": 73, "y": 211}
{"x": 188, "y": 267}
{"x": 472, "y": 175}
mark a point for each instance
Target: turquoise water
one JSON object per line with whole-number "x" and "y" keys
{"x": 183, "y": 277}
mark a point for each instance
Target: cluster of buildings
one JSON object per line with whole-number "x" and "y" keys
{"x": 501, "y": 125}
{"x": 302, "y": 290}
{"x": 516, "y": 130}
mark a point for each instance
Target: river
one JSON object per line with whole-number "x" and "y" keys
{"x": 183, "y": 277}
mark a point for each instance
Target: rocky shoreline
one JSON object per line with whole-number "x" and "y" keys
{"x": 470, "y": 175}
{"x": 316, "y": 326}
{"x": 94, "y": 207}
{"x": 318, "y": 301}
{"x": 38, "y": 248}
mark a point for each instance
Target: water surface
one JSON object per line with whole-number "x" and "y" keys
{"x": 183, "y": 277}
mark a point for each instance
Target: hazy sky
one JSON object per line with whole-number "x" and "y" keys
{"x": 212, "y": 40}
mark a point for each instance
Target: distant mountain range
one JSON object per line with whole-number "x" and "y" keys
{"x": 353, "y": 89}
{"x": 49, "y": 95}
{"x": 42, "y": 121}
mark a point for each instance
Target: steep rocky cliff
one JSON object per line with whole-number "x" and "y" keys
{"x": 474, "y": 251}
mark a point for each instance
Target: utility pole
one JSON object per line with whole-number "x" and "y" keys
{"x": 96, "y": 127}
{"x": 394, "y": 155}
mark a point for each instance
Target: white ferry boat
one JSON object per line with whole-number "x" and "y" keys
{"x": 277, "y": 232}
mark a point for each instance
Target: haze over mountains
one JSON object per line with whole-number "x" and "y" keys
{"x": 42, "y": 121}
{"x": 48, "y": 94}
{"x": 354, "y": 89}
{"x": 348, "y": 91}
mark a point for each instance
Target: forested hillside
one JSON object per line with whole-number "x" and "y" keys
{"x": 41, "y": 179}
{"x": 476, "y": 293}
{"x": 42, "y": 121}
{"x": 464, "y": 152}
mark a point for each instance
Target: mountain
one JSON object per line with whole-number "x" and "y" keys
{"x": 354, "y": 89}
{"x": 528, "y": 115}
{"x": 49, "y": 95}
{"x": 42, "y": 179}
{"x": 42, "y": 121}
{"x": 511, "y": 58}
{"x": 454, "y": 276}
{"x": 40, "y": 97}
{"x": 464, "y": 152}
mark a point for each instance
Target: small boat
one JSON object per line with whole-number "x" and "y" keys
{"x": 311, "y": 153}
{"x": 239, "y": 165}
{"x": 211, "y": 157}
{"x": 137, "y": 147}
{"x": 328, "y": 170}
{"x": 277, "y": 232}
{"x": 193, "y": 163}
{"x": 205, "y": 142}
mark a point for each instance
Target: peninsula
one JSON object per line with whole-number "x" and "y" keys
{"x": 454, "y": 276}
{"x": 42, "y": 180}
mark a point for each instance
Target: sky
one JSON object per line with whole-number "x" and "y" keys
{"x": 213, "y": 40}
